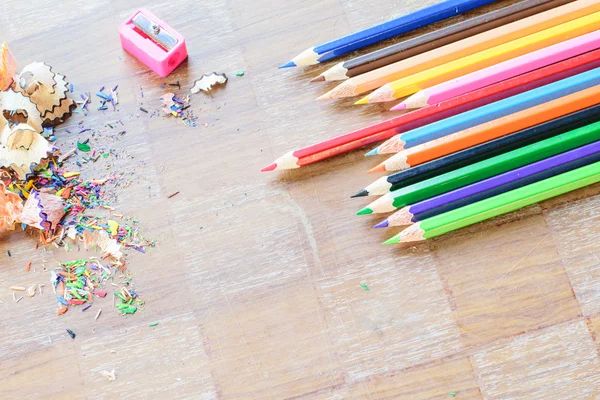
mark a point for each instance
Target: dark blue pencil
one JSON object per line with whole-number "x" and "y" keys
{"x": 377, "y": 33}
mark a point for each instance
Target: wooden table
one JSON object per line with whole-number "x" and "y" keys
{"x": 256, "y": 283}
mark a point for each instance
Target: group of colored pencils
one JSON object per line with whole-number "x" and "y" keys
{"x": 504, "y": 110}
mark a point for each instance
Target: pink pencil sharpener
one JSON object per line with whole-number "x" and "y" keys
{"x": 153, "y": 42}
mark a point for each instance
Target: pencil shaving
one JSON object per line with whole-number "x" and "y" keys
{"x": 110, "y": 248}
{"x": 43, "y": 211}
{"x": 11, "y": 207}
{"x": 207, "y": 81}
{"x": 22, "y": 148}
{"x": 8, "y": 66}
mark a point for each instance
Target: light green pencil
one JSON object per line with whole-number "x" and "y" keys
{"x": 498, "y": 205}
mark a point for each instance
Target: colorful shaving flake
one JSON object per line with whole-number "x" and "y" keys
{"x": 179, "y": 108}
{"x": 77, "y": 283}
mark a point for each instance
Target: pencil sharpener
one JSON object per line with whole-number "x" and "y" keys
{"x": 153, "y": 42}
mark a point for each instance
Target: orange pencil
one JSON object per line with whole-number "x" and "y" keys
{"x": 491, "y": 130}
{"x": 463, "y": 48}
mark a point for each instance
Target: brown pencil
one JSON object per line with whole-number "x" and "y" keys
{"x": 438, "y": 38}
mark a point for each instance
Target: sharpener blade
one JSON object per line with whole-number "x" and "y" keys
{"x": 154, "y": 31}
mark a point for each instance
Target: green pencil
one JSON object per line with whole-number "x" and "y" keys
{"x": 501, "y": 204}
{"x": 484, "y": 169}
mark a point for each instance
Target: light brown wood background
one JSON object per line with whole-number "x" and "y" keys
{"x": 256, "y": 282}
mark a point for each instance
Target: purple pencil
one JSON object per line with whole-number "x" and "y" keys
{"x": 496, "y": 185}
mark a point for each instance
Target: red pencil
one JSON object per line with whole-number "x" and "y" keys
{"x": 417, "y": 118}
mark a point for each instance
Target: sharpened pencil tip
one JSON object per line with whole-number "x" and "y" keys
{"x": 319, "y": 78}
{"x": 364, "y": 100}
{"x": 394, "y": 240}
{"x": 288, "y": 65}
{"x": 399, "y": 107}
{"x": 379, "y": 168}
{"x": 364, "y": 211}
{"x": 373, "y": 152}
{"x": 382, "y": 224}
{"x": 269, "y": 167}
{"x": 362, "y": 193}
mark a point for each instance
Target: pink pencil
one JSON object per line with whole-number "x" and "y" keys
{"x": 503, "y": 71}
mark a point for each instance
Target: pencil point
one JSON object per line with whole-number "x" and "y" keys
{"x": 319, "y": 78}
{"x": 393, "y": 240}
{"x": 364, "y": 211}
{"x": 379, "y": 168}
{"x": 362, "y": 193}
{"x": 373, "y": 152}
{"x": 269, "y": 167}
{"x": 325, "y": 96}
{"x": 290, "y": 64}
{"x": 364, "y": 100}
{"x": 399, "y": 107}
{"x": 382, "y": 224}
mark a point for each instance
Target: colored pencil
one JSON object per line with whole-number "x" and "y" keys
{"x": 438, "y": 38}
{"x": 484, "y": 169}
{"x": 478, "y": 153}
{"x": 500, "y": 204}
{"x": 540, "y": 40}
{"x": 491, "y": 130}
{"x": 502, "y": 90}
{"x": 386, "y": 30}
{"x": 494, "y": 186}
{"x": 494, "y": 111}
{"x": 492, "y": 148}
{"x": 389, "y": 128}
{"x": 457, "y": 50}
{"x": 576, "y": 136}
{"x": 503, "y": 71}
{"x": 487, "y": 113}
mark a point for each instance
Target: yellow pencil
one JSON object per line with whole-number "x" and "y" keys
{"x": 454, "y": 69}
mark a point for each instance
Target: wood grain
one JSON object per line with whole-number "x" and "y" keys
{"x": 256, "y": 283}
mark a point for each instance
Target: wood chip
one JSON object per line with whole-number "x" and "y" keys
{"x": 31, "y": 291}
{"x": 109, "y": 375}
{"x": 19, "y": 299}
{"x": 97, "y": 315}
{"x": 17, "y": 288}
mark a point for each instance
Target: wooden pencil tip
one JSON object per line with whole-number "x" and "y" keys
{"x": 325, "y": 96}
{"x": 289, "y": 64}
{"x": 364, "y": 211}
{"x": 399, "y": 107}
{"x": 269, "y": 167}
{"x": 393, "y": 240}
{"x": 379, "y": 168}
{"x": 362, "y": 193}
{"x": 319, "y": 78}
{"x": 382, "y": 224}
{"x": 364, "y": 100}
{"x": 373, "y": 152}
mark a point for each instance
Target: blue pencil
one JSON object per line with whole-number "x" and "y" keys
{"x": 499, "y": 109}
{"x": 494, "y": 186}
{"x": 377, "y": 33}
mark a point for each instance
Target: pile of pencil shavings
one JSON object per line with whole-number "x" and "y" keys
{"x": 78, "y": 282}
{"x": 31, "y": 100}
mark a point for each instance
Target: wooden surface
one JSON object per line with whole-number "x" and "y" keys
{"x": 256, "y": 283}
